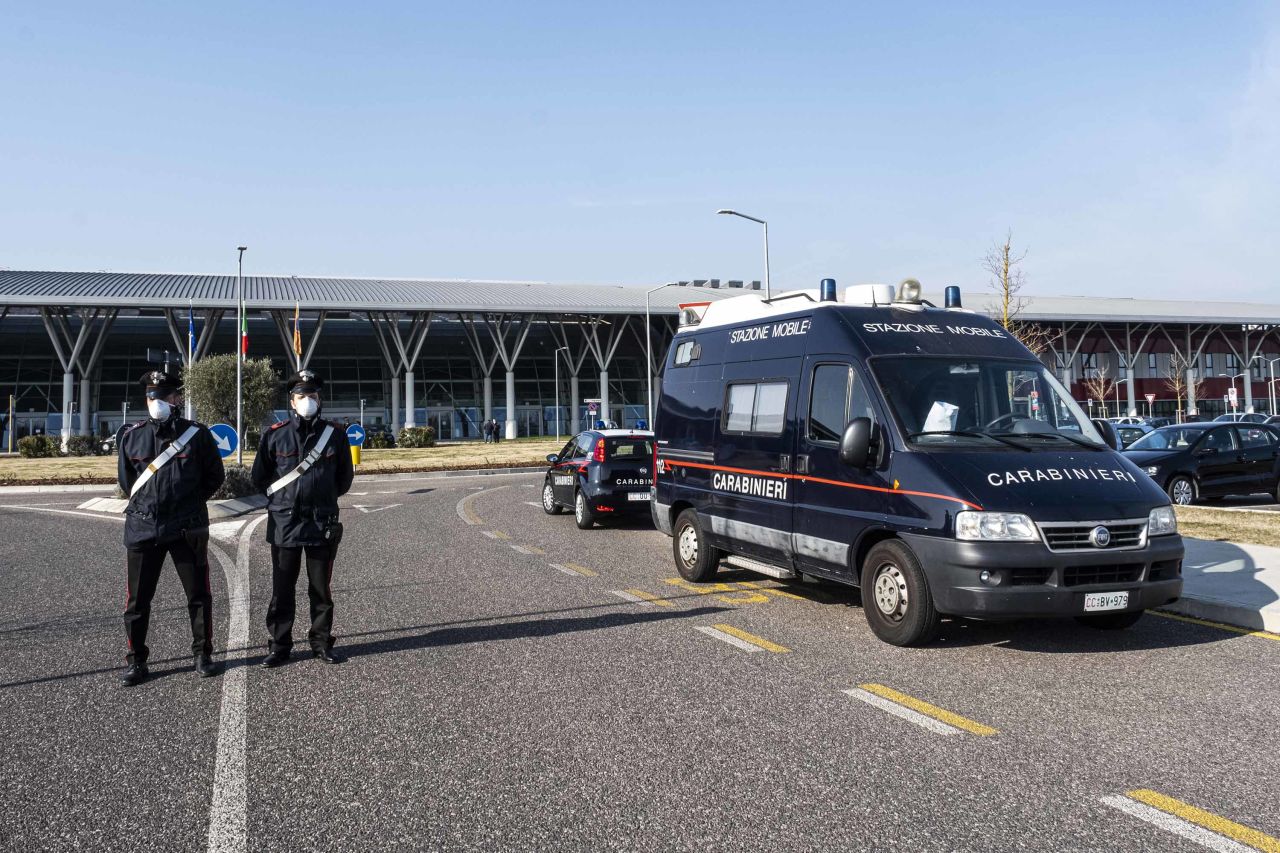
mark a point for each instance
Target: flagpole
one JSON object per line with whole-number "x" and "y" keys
{"x": 191, "y": 351}
{"x": 240, "y": 321}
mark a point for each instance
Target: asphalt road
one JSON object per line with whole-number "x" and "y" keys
{"x": 517, "y": 684}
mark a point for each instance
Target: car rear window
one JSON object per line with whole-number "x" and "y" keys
{"x": 628, "y": 449}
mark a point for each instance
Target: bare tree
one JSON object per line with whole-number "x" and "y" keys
{"x": 1004, "y": 264}
{"x": 1175, "y": 379}
{"x": 1099, "y": 386}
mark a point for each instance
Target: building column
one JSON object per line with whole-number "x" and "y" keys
{"x": 574, "y": 402}
{"x": 1191, "y": 389}
{"x": 85, "y": 406}
{"x": 511, "y": 404}
{"x": 68, "y": 394}
{"x": 408, "y": 399}
{"x": 395, "y": 403}
{"x": 604, "y": 394}
{"x": 488, "y": 396}
{"x": 1247, "y": 381}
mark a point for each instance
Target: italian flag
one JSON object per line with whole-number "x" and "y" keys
{"x": 244, "y": 334}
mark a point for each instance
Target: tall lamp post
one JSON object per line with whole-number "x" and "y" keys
{"x": 648, "y": 347}
{"x": 240, "y": 354}
{"x": 557, "y": 381}
{"x": 768, "y": 293}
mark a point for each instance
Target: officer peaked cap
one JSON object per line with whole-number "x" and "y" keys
{"x": 159, "y": 383}
{"x": 304, "y": 380}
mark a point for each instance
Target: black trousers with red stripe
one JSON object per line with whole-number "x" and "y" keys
{"x": 286, "y": 565}
{"x": 190, "y": 555}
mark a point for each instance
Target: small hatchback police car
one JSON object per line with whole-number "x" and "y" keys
{"x": 603, "y": 473}
{"x": 920, "y": 453}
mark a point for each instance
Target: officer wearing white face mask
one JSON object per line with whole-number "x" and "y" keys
{"x": 303, "y": 466}
{"x": 169, "y": 467}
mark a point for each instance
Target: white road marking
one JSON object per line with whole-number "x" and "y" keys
{"x": 635, "y": 599}
{"x": 119, "y": 518}
{"x": 520, "y": 549}
{"x": 565, "y": 569}
{"x": 228, "y": 811}
{"x": 368, "y": 509}
{"x": 924, "y": 722}
{"x": 1172, "y": 823}
{"x": 728, "y": 638}
{"x": 534, "y": 503}
{"x": 361, "y": 494}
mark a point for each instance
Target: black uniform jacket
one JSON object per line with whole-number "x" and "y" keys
{"x": 302, "y": 512}
{"x": 173, "y": 501}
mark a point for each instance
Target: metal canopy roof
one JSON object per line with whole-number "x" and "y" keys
{"x": 160, "y": 290}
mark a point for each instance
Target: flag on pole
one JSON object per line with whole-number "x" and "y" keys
{"x": 244, "y": 334}
{"x": 297, "y": 334}
{"x": 191, "y": 335}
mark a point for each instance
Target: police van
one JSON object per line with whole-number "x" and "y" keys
{"x": 920, "y": 453}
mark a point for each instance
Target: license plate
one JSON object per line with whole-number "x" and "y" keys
{"x": 639, "y": 496}
{"x": 1095, "y": 601}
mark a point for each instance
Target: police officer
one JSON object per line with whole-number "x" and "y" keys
{"x": 303, "y": 466}
{"x": 168, "y": 466}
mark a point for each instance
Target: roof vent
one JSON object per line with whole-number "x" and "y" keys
{"x": 733, "y": 282}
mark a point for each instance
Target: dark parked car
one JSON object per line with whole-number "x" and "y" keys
{"x": 1242, "y": 417}
{"x": 1274, "y": 420}
{"x": 1129, "y": 433}
{"x": 1210, "y": 460}
{"x": 601, "y": 473}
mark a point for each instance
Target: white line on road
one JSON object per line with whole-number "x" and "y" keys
{"x": 728, "y": 638}
{"x": 635, "y": 599}
{"x": 1170, "y": 823}
{"x": 534, "y": 503}
{"x": 119, "y": 518}
{"x": 228, "y": 811}
{"x": 368, "y": 509}
{"x": 903, "y": 712}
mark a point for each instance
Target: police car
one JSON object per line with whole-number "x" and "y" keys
{"x": 600, "y": 474}
{"x": 922, "y": 454}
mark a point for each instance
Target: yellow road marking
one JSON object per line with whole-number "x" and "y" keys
{"x": 1209, "y": 820}
{"x": 730, "y": 594}
{"x": 1248, "y": 632}
{"x": 771, "y": 590}
{"x": 920, "y": 706}
{"x": 650, "y": 597}
{"x": 498, "y": 534}
{"x": 532, "y": 550}
{"x": 752, "y": 639}
{"x": 582, "y": 570}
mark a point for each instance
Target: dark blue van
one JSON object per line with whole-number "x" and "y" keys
{"x": 922, "y": 454}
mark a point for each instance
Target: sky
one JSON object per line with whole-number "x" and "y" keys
{"x": 1130, "y": 148}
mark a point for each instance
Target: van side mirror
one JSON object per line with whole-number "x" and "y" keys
{"x": 1108, "y": 432}
{"x": 855, "y": 444}
{"x": 553, "y": 458}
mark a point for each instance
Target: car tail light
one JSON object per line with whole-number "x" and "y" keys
{"x": 598, "y": 456}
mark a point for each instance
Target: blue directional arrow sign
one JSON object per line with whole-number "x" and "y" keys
{"x": 225, "y": 437}
{"x": 355, "y": 435}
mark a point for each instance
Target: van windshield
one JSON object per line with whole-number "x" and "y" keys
{"x": 966, "y": 401}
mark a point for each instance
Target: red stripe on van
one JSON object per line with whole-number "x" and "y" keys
{"x": 805, "y": 477}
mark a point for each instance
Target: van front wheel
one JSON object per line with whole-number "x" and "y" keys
{"x": 695, "y": 559}
{"x": 896, "y": 597}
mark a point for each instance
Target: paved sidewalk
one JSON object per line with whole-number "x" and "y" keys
{"x": 1236, "y": 584}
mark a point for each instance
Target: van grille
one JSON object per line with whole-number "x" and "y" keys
{"x": 1028, "y": 576}
{"x": 1119, "y": 573}
{"x": 1074, "y": 536}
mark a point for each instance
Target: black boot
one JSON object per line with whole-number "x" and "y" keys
{"x": 278, "y": 657}
{"x": 134, "y": 675}
{"x": 327, "y": 655}
{"x": 206, "y": 667}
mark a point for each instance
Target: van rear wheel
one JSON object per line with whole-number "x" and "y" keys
{"x": 695, "y": 559}
{"x": 896, "y": 597}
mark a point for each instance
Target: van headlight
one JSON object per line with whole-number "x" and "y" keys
{"x": 1162, "y": 521}
{"x": 995, "y": 527}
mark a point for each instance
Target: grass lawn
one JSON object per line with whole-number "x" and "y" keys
{"x": 1257, "y": 528}
{"x": 16, "y": 471}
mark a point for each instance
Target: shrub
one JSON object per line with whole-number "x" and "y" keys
{"x": 417, "y": 437}
{"x": 237, "y": 484}
{"x": 38, "y": 446}
{"x": 82, "y": 445}
{"x": 377, "y": 441}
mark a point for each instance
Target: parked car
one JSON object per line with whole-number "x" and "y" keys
{"x": 1127, "y": 419}
{"x": 1273, "y": 420}
{"x": 601, "y": 474}
{"x": 1156, "y": 423}
{"x": 1192, "y": 462}
{"x": 1129, "y": 433}
{"x": 1242, "y": 417}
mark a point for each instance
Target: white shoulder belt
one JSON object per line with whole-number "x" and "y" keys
{"x": 305, "y": 464}
{"x": 163, "y": 459}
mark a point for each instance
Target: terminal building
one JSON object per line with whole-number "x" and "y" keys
{"x": 534, "y": 356}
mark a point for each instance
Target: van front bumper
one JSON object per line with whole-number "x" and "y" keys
{"x": 1034, "y": 581}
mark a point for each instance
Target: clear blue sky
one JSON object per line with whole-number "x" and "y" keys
{"x": 1131, "y": 147}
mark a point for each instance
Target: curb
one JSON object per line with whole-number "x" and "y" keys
{"x": 1217, "y": 610}
{"x": 440, "y": 475}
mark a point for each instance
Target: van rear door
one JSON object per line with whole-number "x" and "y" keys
{"x": 835, "y": 503}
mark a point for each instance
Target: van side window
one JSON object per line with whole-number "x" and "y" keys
{"x": 688, "y": 352}
{"x": 829, "y": 402}
{"x": 757, "y": 407}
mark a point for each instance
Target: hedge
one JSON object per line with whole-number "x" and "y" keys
{"x": 417, "y": 437}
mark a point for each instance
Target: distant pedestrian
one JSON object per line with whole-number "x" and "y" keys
{"x": 487, "y": 429}
{"x": 303, "y": 466}
{"x": 168, "y": 467}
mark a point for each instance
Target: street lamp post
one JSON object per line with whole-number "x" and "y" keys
{"x": 362, "y": 413}
{"x": 240, "y": 321}
{"x": 648, "y": 354}
{"x": 768, "y": 293}
{"x": 557, "y": 381}
{"x": 1235, "y": 405}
